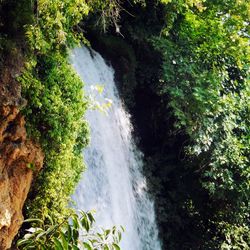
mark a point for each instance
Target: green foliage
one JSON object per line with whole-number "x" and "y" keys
{"x": 55, "y": 117}
{"x": 205, "y": 73}
{"x": 73, "y": 233}
{"x": 56, "y": 104}
{"x": 55, "y": 23}
{"x": 236, "y": 237}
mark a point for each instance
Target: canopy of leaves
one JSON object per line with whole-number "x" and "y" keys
{"x": 205, "y": 73}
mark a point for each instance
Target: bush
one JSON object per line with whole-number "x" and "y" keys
{"x": 55, "y": 117}
{"x": 75, "y": 232}
{"x": 55, "y": 104}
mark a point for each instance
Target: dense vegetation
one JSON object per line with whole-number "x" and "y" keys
{"x": 205, "y": 75}
{"x": 184, "y": 73}
{"x": 191, "y": 107}
{"x": 55, "y": 93}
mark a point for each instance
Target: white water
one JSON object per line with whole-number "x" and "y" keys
{"x": 113, "y": 184}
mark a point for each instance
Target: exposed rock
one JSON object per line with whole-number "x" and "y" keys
{"x": 17, "y": 155}
{"x": 20, "y": 158}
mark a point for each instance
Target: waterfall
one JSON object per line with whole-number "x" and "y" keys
{"x": 113, "y": 184}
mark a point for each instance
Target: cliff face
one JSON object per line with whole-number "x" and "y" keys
{"x": 20, "y": 158}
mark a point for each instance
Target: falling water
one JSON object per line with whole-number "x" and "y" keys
{"x": 113, "y": 184}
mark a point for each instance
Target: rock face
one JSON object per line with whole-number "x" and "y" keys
{"x": 20, "y": 159}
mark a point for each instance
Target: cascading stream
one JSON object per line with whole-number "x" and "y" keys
{"x": 113, "y": 184}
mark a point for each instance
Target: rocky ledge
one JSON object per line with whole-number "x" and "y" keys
{"x": 20, "y": 159}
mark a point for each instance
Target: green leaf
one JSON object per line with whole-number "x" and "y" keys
{"x": 75, "y": 222}
{"x": 69, "y": 232}
{"x": 87, "y": 246}
{"x": 75, "y": 247}
{"x": 107, "y": 232}
{"x": 106, "y": 247}
{"x": 64, "y": 241}
{"x": 116, "y": 247}
{"x": 119, "y": 236}
{"x": 41, "y": 235}
{"x": 23, "y": 242}
{"x": 91, "y": 217}
{"x": 33, "y": 220}
{"x": 75, "y": 234}
{"x": 85, "y": 223}
{"x": 51, "y": 229}
{"x": 58, "y": 244}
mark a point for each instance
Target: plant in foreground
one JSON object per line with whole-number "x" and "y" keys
{"x": 73, "y": 233}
